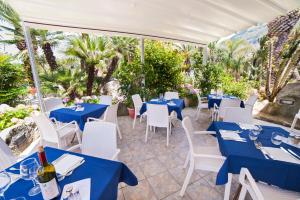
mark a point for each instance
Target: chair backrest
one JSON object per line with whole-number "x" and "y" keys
{"x": 99, "y": 139}
{"x": 137, "y": 102}
{"x": 297, "y": 116}
{"x": 53, "y": 103}
{"x": 106, "y": 100}
{"x": 6, "y": 156}
{"x": 251, "y": 100}
{"x": 157, "y": 115}
{"x": 171, "y": 95}
{"x": 227, "y": 102}
{"x": 237, "y": 115}
{"x": 188, "y": 129}
{"x": 111, "y": 113}
{"x": 46, "y": 128}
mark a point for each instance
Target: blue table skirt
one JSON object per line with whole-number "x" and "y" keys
{"x": 105, "y": 176}
{"x": 240, "y": 154}
{"x": 214, "y": 99}
{"x": 177, "y": 108}
{"x": 66, "y": 115}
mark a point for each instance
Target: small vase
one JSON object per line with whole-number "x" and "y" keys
{"x": 131, "y": 112}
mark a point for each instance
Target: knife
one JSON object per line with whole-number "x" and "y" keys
{"x": 288, "y": 152}
{"x": 298, "y": 157}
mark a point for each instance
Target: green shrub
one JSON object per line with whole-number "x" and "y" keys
{"x": 11, "y": 81}
{"x": 239, "y": 89}
{"x": 6, "y": 118}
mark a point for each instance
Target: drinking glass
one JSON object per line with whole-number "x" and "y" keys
{"x": 253, "y": 135}
{"x": 4, "y": 183}
{"x": 28, "y": 171}
{"x": 277, "y": 138}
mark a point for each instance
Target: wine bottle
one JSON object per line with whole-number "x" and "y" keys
{"x": 46, "y": 177}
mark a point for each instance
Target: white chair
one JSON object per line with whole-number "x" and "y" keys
{"x": 226, "y": 102}
{"x": 200, "y": 106}
{"x": 7, "y": 158}
{"x": 206, "y": 158}
{"x": 53, "y": 103}
{"x": 238, "y": 115}
{"x": 158, "y": 116}
{"x": 138, "y": 103}
{"x": 99, "y": 139}
{"x": 293, "y": 129}
{"x": 110, "y": 115}
{"x": 56, "y": 136}
{"x": 106, "y": 100}
{"x": 171, "y": 95}
{"x": 251, "y": 101}
{"x": 262, "y": 191}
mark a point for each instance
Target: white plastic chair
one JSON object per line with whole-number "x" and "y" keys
{"x": 7, "y": 158}
{"x": 158, "y": 116}
{"x": 55, "y": 136}
{"x": 138, "y": 103}
{"x": 238, "y": 115}
{"x": 99, "y": 139}
{"x": 171, "y": 95}
{"x": 251, "y": 101}
{"x": 262, "y": 191}
{"x": 200, "y": 106}
{"x": 206, "y": 158}
{"x": 110, "y": 115}
{"x": 53, "y": 103}
{"x": 106, "y": 100}
{"x": 226, "y": 102}
{"x": 297, "y": 116}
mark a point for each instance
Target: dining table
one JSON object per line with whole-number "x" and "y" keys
{"x": 105, "y": 176}
{"x": 216, "y": 99}
{"x": 176, "y": 105}
{"x": 69, "y": 114}
{"x": 246, "y": 153}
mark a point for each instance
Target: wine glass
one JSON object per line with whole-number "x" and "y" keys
{"x": 253, "y": 135}
{"x": 4, "y": 183}
{"x": 277, "y": 138}
{"x": 28, "y": 171}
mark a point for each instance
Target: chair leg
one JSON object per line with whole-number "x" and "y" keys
{"x": 243, "y": 193}
{"x": 133, "y": 125}
{"x": 187, "y": 159}
{"x": 119, "y": 132}
{"x": 187, "y": 179}
{"x": 141, "y": 117}
{"x": 154, "y": 129}
{"x": 197, "y": 114}
{"x": 228, "y": 187}
{"x": 168, "y": 136}
{"x": 147, "y": 127}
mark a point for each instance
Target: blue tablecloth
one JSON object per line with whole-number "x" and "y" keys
{"x": 90, "y": 110}
{"x": 105, "y": 176}
{"x": 244, "y": 154}
{"x": 177, "y": 108}
{"x": 215, "y": 99}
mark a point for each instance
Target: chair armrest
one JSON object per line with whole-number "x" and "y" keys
{"x": 68, "y": 124}
{"x": 209, "y": 156}
{"x": 204, "y": 132}
{"x": 77, "y": 146}
{"x": 53, "y": 120}
{"x": 93, "y": 119}
{"x": 116, "y": 154}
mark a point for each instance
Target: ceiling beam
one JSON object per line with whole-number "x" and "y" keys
{"x": 274, "y": 5}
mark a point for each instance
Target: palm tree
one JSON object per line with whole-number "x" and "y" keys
{"x": 48, "y": 40}
{"x": 94, "y": 51}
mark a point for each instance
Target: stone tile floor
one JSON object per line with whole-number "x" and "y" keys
{"x": 159, "y": 168}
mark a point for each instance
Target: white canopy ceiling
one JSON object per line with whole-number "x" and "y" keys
{"x": 195, "y": 21}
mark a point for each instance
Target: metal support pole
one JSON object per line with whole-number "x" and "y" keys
{"x": 33, "y": 66}
{"x": 205, "y": 54}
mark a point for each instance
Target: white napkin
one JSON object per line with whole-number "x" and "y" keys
{"x": 171, "y": 103}
{"x": 84, "y": 187}
{"x": 154, "y": 99}
{"x": 245, "y": 126}
{"x": 80, "y": 109}
{"x": 279, "y": 154}
{"x": 230, "y": 134}
{"x": 66, "y": 163}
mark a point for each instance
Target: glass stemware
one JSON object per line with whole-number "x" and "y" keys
{"x": 4, "y": 183}
{"x": 28, "y": 171}
{"x": 277, "y": 138}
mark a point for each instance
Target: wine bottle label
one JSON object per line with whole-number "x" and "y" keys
{"x": 49, "y": 189}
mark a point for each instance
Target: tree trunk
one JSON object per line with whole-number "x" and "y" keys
{"x": 90, "y": 80}
{"x": 296, "y": 74}
{"x": 269, "y": 71}
{"x": 110, "y": 70}
{"x": 48, "y": 52}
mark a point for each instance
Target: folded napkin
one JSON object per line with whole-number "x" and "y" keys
{"x": 228, "y": 134}
{"x": 279, "y": 154}
{"x": 245, "y": 126}
{"x": 66, "y": 163}
{"x": 80, "y": 109}
{"x": 171, "y": 103}
{"x": 84, "y": 187}
{"x": 154, "y": 100}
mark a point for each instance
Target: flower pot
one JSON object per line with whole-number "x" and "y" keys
{"x": 131, "y": 112}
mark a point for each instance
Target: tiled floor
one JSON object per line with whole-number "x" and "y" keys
{"x": 159, "y": 168}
